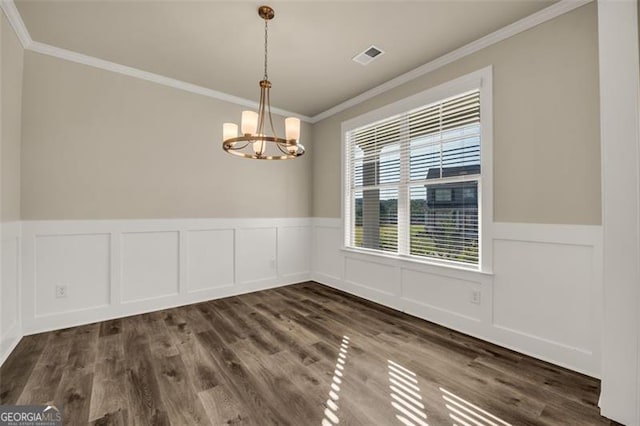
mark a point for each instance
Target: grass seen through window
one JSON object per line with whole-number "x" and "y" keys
{"x": 421, "y": 244}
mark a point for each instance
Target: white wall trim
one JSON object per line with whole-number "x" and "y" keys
{"x": 92, "y": 61}
{"x": 14, "y": 18}
{"x": 553, "y": 11}
{"x": 10, "y": 341}
{"x": 620, "y": 146}
{"x": 444, "y": 291}
{"x": 442, "y": 294}
{"x": 10, "y": 250}
{"x": 117, "y": 268}
{"x": 553, "y": 233}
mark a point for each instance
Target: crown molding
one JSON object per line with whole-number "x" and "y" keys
{"x": 14, "y": 18}
{"x": 546, "y": 14}
{"x": 553, "y": 11}
{"x": 80, "y": 58}
{"x": 13, "y": 15}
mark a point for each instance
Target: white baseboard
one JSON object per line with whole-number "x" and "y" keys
{"x": 9, "y": 341}
{"x": 542, "y": 299}
{"x": 107, "y": 312}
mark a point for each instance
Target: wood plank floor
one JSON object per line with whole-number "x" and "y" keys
{"x": 301, "y": 355}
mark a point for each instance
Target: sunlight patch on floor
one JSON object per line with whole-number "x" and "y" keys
{"x": 405, "y": 395}
{"x": 331, "y": 412}
{"x": 465, "y": 413}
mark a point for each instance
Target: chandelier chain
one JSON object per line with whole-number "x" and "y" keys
{"x": 266, "y": 25}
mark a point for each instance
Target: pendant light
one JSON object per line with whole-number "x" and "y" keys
{"x": 254, "y": 141}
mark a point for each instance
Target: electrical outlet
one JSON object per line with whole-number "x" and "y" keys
{"x": 475, "y": 297}
{"x": 61, "y": 291}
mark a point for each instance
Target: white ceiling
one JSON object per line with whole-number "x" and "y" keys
{"x": 219, "y": 44}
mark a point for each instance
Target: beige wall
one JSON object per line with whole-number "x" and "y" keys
{"x": 100, "y": 145}
{"x": 11, "y": 81}
{"x": 546, "y": 124}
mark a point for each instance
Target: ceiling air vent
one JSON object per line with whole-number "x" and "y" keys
{"x": 368, "y": 55}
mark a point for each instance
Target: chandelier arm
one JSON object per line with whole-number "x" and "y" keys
{"x": 273, "y": 130}
{"x": 241, "y": 147}
{"x": 284, "y": 151}
{"x": 260, "y": 128}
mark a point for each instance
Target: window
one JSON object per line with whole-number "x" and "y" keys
{"x": 443, "y": 194}
{"x": 469, "y": 193}
{"x": 415, "y": 183}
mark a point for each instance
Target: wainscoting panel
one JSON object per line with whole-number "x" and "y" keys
{"x": 294, "y": 250}
{"x": 542, "y": 289}
{"x": 210, "y": 255}
{"x": 256, "y": 247}
{"x": 150, "y": 265}
{"x": 10, "y": 321}
{"x": 10, "y": 265}
{"x": 115, "y": 268}
{"x": 80, "y": 263}
{"x": 440, "y": 294}
{"x": 327, "y": 259}
{"x": 541, "y": 299}
{"x": 377, "y": 281}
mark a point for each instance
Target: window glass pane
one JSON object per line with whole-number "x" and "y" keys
{"x": 389, "y": 171}
{"x": 461, "y": 151}
{"x": 445, "y": 138}
{"x": 424, "y": 157}
{"x": 375, "y": 153}
{"x": 376, "y": 219}
{"x": 444, "y": 221}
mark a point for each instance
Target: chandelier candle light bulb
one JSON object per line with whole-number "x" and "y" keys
{"x": 255, "y": 141}
{"x": 249, "y": 122}
{"x": 229, "y": 130}
{"x": 292, "y": 132}
{"x": 292, "y": 128}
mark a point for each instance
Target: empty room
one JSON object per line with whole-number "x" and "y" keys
{"x": 418, "y": 213}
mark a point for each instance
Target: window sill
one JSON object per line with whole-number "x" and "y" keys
{"x": 410, "y": 260}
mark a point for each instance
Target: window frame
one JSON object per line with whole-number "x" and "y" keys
{"x": 481, "y": 80}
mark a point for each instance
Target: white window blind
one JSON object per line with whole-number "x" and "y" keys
{"x": 412, "y": 182}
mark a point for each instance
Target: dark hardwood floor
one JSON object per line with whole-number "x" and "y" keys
{"x": 302, "y": 355}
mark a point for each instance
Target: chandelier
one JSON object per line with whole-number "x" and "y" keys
{"x": 254, "y": 141}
